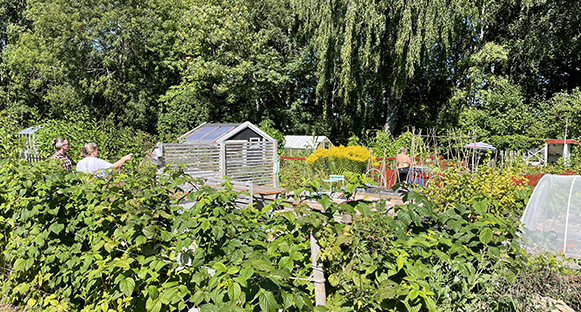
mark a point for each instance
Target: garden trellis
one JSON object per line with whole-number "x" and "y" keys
{"x": 552, "y": 218}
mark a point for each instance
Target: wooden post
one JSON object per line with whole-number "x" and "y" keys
{"x": 223, "y": 159}
{"x": 318, "y": 274}
{"x": 474, "y": 152}
{"x": 412, "y": 152}
{"x": 275, "y": 165}
{"x": 383, "y": 170}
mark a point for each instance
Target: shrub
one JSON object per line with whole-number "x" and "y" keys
{"x": 73, "y": 242}
{"x": 340, "y": 159}
{"x": 8, "y": 132}
{"x": 505, "y": 191}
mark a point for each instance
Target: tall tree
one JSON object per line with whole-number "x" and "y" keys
{"x": 12, "y": 22}
{"x": 242, "y": 65}
{"x": 107, "y": 59}
{"x": 367, "y": 51}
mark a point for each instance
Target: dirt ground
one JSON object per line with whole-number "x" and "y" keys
{"x": 7, "y": 308}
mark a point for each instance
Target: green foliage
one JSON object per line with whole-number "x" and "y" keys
{"x": 561, "y": 111}
{"x": 423, "y": 260}
{"x": 267, "y": 126}
{"x": 383, "y": 142}
{"x": 238, "y": 56}
{"x": 74, "y": 242}
{"x": 501, "y": 117}
{"x": 108, "y": 59}
{"x": 9, "y": 128}
{"x": 353, "y": 141}
{"x": 504, "y": 192}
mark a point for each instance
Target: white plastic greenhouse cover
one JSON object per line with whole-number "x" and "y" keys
{"x": 552, "y": 218}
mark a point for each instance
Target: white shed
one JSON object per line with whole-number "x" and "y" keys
{"x": 298, "y": 143}
{"x": 239, "y": 151}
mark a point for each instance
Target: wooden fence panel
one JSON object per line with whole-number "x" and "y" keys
{"x": 251, "y": 161}
{"x": 201, "y": 160}
{"x": 239, "y": 161}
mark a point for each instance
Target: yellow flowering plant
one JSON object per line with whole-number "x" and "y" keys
{"x": 340, "y": 159}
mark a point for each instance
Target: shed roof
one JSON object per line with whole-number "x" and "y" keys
{"x": 557, "y": 141}
{"x": 220, "y": 132}
{"x": 304, "y": 141}
{"x": 30, "y": 130}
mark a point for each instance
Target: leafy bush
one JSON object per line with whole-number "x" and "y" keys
{"x": 420, "y": 259}
{"x": 340, "y": 159}
{"x": 268, "y": 126}
{"x": 74, "y": 242}
{"x": 8, "y": 132}
{"x": 505, "y": 191}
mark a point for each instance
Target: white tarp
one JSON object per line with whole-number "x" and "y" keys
{"x": 552, "y": 218}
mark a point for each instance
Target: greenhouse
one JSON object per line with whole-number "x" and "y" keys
{"x": 552, "y": 218}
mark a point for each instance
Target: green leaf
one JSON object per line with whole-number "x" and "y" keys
{"x": 219, "y": 267}
{"x": 510, "y": 278}
{"x": 205, "y": 225}
{"x": 31, "y": 302}
{"x": 485, "y": 236}
{"x": 262, "y": 265}
{"x": 430, "y": 304}
{"x": 266, "y": 301}
{"x": 325, "y": 202}
{"x": 149, "y": 232}
{"x": 287, "y": 299}
{"x": 126, "y": 286}
{"x": 19, "y": 265}
{"x": 156, "y": 307}
{"x": 153, "y": 292}
{"x": 400, "y": 262}
{"x": 234, "y": 292}
{"x": 56, "y": 228}
{"x": 480, "y": 207}
{"x": 140, "y": 240}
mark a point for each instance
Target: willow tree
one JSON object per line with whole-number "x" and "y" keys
{"x": 366, "y": 52}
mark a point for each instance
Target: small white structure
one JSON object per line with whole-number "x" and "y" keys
{"x": 555, "y": 149}
{"x": 552, "y": 218}
{"x": 550, "y": 152}
{"x": 27, "y": 141}
{"x": 299, "y": 143}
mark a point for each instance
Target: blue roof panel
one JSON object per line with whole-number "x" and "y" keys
{"x": 212, "y": 136}
{"x": 199, "y": 135}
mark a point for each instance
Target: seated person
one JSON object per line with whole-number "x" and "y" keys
{"x": 92, "y": 164}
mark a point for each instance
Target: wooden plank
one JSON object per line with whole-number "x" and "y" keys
{"x": 254, "y": 167}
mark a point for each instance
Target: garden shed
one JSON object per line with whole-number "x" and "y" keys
{"x": 299, "y": 143}
{"x": 552, "y": 219}
{"x": 27, "y": 142}
{"x": 239, "y": 151}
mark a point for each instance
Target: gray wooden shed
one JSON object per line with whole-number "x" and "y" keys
{"x": 239, "y": 151}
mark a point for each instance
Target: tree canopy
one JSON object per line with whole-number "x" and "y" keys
{"x": 509, "y": 70}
